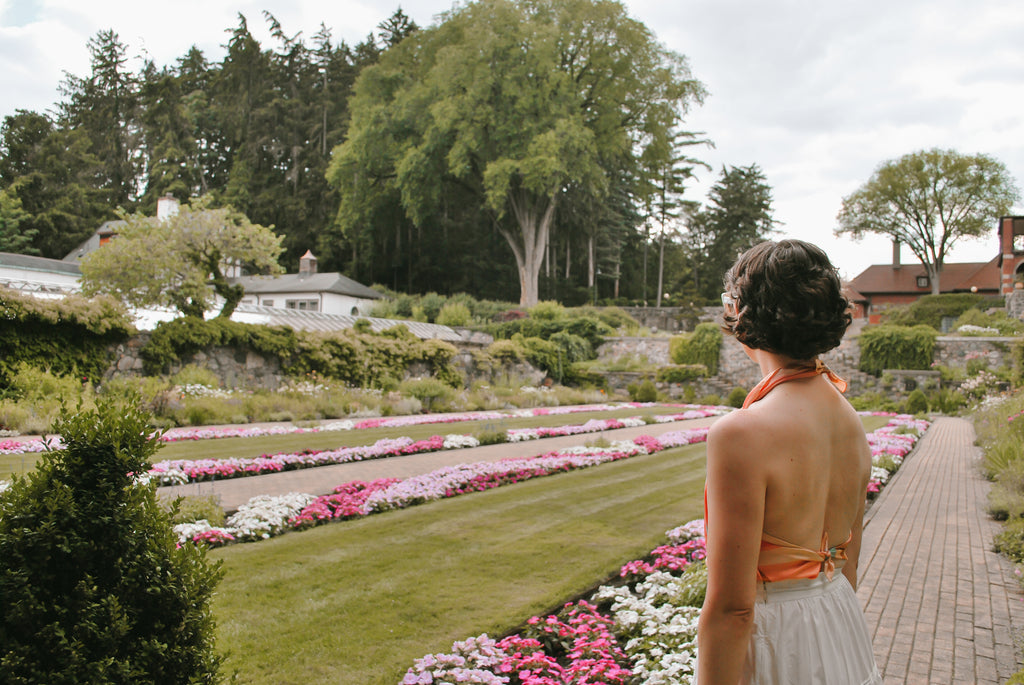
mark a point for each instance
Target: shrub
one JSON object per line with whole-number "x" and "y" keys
{"x": 711, "y": 399}
{"x": 916, "y": 403}
{"x": 613, "y": 317}
{"x": 872, "y": 401}
{"x": 430, "y": 391}
{"x": 197, "y": 508}
{"x": 896, "y": 347}
{"x": 573, "y": 347}
{"x": 579, "y": 374}
{"x": 431, "y": 304}
{"x": 454, "y": 314}
{"x": 547, "y": 311}
{"x": 946, "y": 401}
{"x": 644, "y": 392}
{"x": 930, "y": 310}
{"x": 999, "y": 320}
{"x": 736, "y": 397}
{"x": 1010, "y": 541}
{"x": 506, "y": 351}
{"x": 93, "y": 584}
{"x": 196, "y": 375}
{"x": 681, "y": 373}
{"x": 703, "y": 346}
{"x": 492, "y": 437}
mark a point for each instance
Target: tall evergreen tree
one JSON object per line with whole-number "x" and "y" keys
{"x": 738, "y": 216}
{"x": 105, "y": 106}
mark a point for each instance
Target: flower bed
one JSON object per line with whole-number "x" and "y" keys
{"x": 40, "y": 444}
{"x": 890, "y": 444}
{"x": 265, "y": 516}
{"x": 642, "y": 631}
{"x": 180, "y": 471}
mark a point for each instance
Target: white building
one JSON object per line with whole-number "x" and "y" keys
{"x": 328, "y": 293}
{"x": 38, "y": 275}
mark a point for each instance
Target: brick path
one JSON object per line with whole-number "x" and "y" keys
{"x": 942, "y": 607}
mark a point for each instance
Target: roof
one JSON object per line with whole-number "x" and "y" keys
{"x": 30, "y": 263}
{"x": 852, "y": 294}
{"x": 330, "y": 282}
{"x": 318, "y": 321}
{"x": 886, "y": 278}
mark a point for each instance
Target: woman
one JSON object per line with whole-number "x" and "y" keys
{"x": 786, "y": 482}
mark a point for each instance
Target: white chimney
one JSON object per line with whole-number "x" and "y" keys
{"x": 895, "y": 254}
{"x": 166, "y": 207}
{"x": 307, "y": 264}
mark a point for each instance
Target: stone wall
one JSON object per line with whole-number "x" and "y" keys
{"x": 235, "y": 368}
{"x": 956, "y": 351}
{"x": 653, "y": 349}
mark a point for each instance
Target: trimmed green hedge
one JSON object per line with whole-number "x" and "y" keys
{"x": 703, "y": 346}
{"x": 896, "y": 347}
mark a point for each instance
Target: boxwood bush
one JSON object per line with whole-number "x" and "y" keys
{"x": 93, "y": 586}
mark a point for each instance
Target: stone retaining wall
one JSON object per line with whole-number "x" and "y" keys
{"x": 234, "y": 367}
{"x": 956, "y": 351}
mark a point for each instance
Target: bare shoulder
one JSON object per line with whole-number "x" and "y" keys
{"x": 732, "y": 435}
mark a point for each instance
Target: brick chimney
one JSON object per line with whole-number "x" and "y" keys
{"x": 307, "y": 264}
{"x": 166, "y": 207}
{"x": 896, "y": 254}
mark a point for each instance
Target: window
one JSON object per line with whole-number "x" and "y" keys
{"x": 304, "y": 305}
{"x": 922, "y": 281}
{"x": 268, "y": 303}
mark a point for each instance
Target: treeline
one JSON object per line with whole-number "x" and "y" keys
{"x": 256, "y": 131}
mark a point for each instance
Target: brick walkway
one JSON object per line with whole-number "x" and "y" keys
{"x": 942, "y": 607}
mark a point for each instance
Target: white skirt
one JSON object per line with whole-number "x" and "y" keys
{"x": 809, "y": 632}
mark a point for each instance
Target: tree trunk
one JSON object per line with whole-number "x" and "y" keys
{"x": 661, "y": 266}
{"x": 533, "y": 216}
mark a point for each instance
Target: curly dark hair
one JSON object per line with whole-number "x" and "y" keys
{"x": 789, "y": 300}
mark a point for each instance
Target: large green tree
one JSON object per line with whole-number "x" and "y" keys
{"x": 512, "y": 102}
{"x": 182, "y": 262}
{"x": 929, "y": 200}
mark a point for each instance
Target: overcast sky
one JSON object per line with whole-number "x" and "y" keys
{"x": 818, "y": 94}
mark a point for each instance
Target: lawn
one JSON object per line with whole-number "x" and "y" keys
{"x": 356, "y": 602}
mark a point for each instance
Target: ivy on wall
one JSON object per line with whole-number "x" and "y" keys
{"x": 896, "y": 347}
{"x": 69, "y": 337}
{"x": 703, "y": 346}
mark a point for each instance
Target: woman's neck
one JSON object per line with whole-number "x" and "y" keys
{"x": 770, "y": 361}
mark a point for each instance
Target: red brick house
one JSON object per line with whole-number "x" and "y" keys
{"x": 883, "y": 285}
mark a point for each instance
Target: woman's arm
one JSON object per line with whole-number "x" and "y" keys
{"x": 857, "y": 527}
{"x": 736, "y": 483}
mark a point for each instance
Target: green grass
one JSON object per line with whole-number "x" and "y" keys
{"x": 356, "y": 602}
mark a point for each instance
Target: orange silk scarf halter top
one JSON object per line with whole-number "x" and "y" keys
{"x": 779, "y": 559}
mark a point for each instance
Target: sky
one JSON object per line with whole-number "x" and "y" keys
{"x": 817, "y": 94}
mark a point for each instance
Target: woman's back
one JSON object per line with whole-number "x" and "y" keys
{"x": 817, "y": 462}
